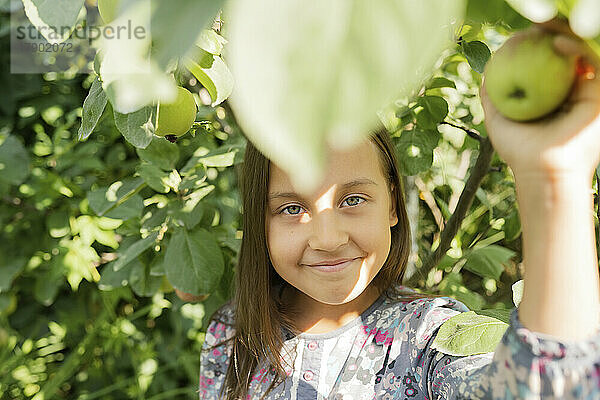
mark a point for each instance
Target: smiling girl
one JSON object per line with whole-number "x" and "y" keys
{"x": 320, "y": 311}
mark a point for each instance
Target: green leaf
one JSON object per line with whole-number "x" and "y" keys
{"x": 517, "y": 289}
{"x": 160, "y": 153}
{"x": 130, "y": 253}
{"x": 467, "y": 334}
{"x": 415, "y": 150}
{"x": 118, "y": 200}
{"x": 142, "y": 281}
{"x": 157, "y": 266}
{"x": 211, "y": 41}
{"x": 153, "y": 176}
{"x": 93, "y": 107}
{"x": 48, "y": 283}
{"x": 191, "y": 211}
{"x": 57, "y": 223}
{"x": 327, "y": 77}
{"x": 446, "y": 262}
{"x": 8, "y": 271}
{"x": 14, "y": 161}
{"x": 488, "y": 262}
{"x": 51, "y": 18}
{"x": 512, "y": 226}
{"x": 439, "y": 82}
{"x": 194, "y": 261}
{"x": 223, "y": 156}
{"x": 111, "y": 279}
{"x": 434, "y": 111}
{"x": 137, "y": 127}
{"x": 193, "y": 178}
{"x": 212, "y": 72}
{"x": 499, "y": 314}
{"x": 477, "y": 54}
{"x": 452, "y": 285}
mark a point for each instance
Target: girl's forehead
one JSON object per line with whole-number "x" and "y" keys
{"x": 342, "y": 166}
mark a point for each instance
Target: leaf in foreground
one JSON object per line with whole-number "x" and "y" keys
{"x": 469, "y": 333}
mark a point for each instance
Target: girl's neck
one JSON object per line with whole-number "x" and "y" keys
{"x": 312, "y": 316}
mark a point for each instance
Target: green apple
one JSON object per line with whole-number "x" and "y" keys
{"x": 176, "y": 118}
{"x": 527, "y": 78}
{"x": 108, "y": 10}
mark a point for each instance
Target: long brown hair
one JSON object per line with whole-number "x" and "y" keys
{"x": 259, "y": 313}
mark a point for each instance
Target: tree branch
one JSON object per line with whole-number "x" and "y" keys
{"x": 469, "y": 132}
{"x": 478, "y": 172}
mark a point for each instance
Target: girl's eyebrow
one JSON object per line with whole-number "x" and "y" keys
{"x": 345, "y": 186}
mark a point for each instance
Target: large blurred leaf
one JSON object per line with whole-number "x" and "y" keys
{"x": 306, "y": 76}
{"x": 584, "y": 18}
{"x": 194, "y": 261}
{"x": 535, "y": 10}
{"x": 51, "y": 17}
{"x": 175, "y": 28}
{"x": 132, "y": 79}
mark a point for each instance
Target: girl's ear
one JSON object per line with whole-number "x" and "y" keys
{"x": 393, "y": 214}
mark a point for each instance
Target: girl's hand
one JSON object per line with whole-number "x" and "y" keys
{"x": 565, "y": 143}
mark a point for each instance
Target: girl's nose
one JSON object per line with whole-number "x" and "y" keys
{"x": 327, "y": 232}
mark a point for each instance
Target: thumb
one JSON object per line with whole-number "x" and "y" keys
{"x": 572, "y": 46}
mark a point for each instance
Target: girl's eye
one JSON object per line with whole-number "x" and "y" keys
{"x": 295, "y": 206}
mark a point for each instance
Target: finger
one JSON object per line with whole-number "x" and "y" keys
{"x": 587, "y": 84}
{"x": 571, "y": 46}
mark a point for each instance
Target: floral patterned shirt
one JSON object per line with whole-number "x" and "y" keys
{"x": 386, "y": 353}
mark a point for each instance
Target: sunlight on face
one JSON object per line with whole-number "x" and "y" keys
{"x": 348, "y": 217}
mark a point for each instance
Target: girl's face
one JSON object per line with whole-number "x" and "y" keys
{"x": 348, "y": 217}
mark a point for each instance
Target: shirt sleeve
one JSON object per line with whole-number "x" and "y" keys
{"x": 215, "y": 354}
{"x": 525, "y": 365}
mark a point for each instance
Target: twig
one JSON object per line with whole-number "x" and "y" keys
{"x": 469, "y": 132}
{"x": 478, "y": 172}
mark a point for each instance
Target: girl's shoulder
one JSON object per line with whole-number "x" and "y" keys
{"x": 221, "y": 325}
{"x": 422, "y": 314}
